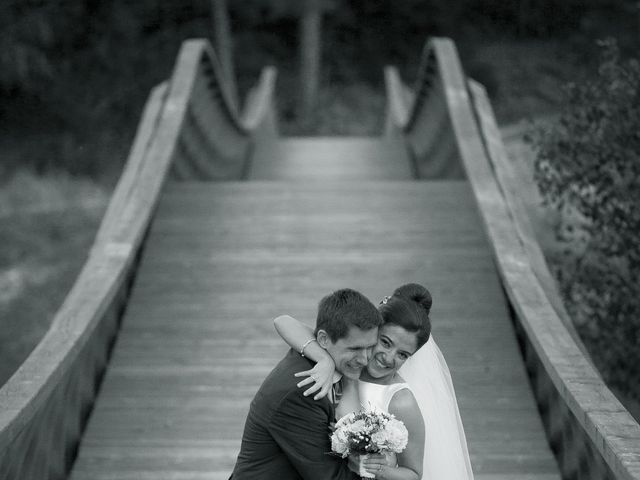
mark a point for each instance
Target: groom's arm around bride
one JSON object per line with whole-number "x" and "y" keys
{"x": 286, "y": 435}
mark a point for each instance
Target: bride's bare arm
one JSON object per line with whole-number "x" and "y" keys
{"x": 298, "y": 335}
{"x": 405, "y": 408}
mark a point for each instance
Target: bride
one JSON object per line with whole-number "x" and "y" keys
{"x": 407, "y": 376}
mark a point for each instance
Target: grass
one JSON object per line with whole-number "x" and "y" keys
{"x": 47, "y": 225}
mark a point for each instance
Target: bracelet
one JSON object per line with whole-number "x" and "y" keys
{"x": 305, "y": 345}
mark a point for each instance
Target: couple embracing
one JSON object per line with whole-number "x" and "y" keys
{"x": 358, "y": 357}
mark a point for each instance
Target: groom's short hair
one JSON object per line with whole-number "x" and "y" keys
{"x": 342, "y": 309}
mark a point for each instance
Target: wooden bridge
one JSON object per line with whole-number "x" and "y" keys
{"x": 218, "y": 225}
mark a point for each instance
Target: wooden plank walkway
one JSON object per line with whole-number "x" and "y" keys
{"x": 332, "y": 158}
{"x": 223, "y": 259}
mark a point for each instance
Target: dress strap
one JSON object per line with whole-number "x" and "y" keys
{"x": 392, "y": 390}
{"x": 396, "y": 387}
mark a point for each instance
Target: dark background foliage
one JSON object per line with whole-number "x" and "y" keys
{"x": 76, "y": 73}
{"x": 588, "y": 168}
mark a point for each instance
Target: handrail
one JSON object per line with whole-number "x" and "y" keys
{"x": 591, "y": 433}
{"x": 427, "y": 71}
{"x": 427, "y": 126}
{"x": 200, "y": 49}
{"x": 260, "y": 116}
{"x": 398, "y": 97}
{"x": 556, "y": 359}
{"x": 45, "y": 404}
{"x": 260, "y": 100}
{"x": 208, "y": 108}
{"x": 52, "y": 391}
{"x": 509, "y": 183}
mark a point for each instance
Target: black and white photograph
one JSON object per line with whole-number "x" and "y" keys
{"x": 319, "y": 240}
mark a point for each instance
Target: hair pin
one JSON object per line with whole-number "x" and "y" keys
{"x": 385, "y": 300}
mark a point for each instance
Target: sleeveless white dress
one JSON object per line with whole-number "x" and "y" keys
{"x": 375, "y": 396}
{"x": 426, "y": 374}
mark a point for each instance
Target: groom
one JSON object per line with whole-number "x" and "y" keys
{"x": 286, "y": 435}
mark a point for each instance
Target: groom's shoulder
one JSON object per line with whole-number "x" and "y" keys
{"x": 281, "y": 382}
{"x": 283, "y": 373}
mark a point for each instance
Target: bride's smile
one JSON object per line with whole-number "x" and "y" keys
{"x": 395, "y": 345}
{"x": 379, "y": 360}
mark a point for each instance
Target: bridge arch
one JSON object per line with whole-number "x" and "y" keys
{"x": 189, "y": 130}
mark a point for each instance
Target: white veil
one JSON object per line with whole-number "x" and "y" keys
{"x": 445, "y": 451}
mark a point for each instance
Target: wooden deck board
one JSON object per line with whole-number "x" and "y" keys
{"x": 332, "y": 158}
{"x": 222, "y": 260}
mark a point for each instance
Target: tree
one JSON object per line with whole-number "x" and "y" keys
{"x": 588, "y": 167}
{"x": 310, "y": 55}
{"x": 27, "y": 35}
{"x": 224, "y": 45}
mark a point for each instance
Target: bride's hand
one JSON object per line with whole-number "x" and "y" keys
{"x": 377, "y": 463}
{"x": 319, "y": 377}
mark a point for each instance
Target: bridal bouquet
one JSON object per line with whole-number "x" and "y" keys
{"x": 368, "y": 432}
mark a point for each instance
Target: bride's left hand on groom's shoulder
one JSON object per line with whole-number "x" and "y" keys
{"x": 320, "y": 379}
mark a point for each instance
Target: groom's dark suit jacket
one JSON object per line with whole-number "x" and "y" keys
{"x": 286, "y": 435}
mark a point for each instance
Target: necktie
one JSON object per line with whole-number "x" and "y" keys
{"x": 336, "y": 392}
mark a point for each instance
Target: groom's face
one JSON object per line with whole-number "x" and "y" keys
{"x": 352, "y": 352}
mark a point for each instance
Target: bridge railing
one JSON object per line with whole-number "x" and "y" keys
{"x": 423, "y": 117}
{"x": 207, "y": 108}
{"x": 592, "y": 435}
{"x": 44, "y": 406}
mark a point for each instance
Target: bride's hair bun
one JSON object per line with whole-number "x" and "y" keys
{"x": 409, "y": 307}
{"x": 417, "y": 293}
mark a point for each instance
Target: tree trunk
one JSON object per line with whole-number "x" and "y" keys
{"x": 223, "y": 46}
{"x": 524, "y": 11}
{"x": 310, "y": 54}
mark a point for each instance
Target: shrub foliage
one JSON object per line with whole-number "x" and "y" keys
{"x": 588, "y": 167}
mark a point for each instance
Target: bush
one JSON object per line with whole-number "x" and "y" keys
{"x": 588, "y": 168}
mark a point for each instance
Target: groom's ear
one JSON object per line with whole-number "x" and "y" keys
{"x": 323, "y": 338}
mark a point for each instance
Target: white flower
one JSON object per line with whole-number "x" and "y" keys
{"x": 339, "y": 443}
{"x": 395, "y": 435}
{"x": 347, "y": 419}
{"x": 368, "y": 431}
{"x": 357, "y": 427}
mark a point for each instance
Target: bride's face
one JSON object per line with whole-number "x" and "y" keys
{"x": 395, "y": 345}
